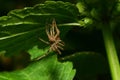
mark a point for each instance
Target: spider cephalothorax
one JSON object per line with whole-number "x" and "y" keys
{"x": 53, "y": 33}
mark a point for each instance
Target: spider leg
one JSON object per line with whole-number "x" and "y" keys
{"x": 48, "y": 33}
{"x": 55, "y": 48}
{"x": 60, "y": 47}
{"x": 52, "y": 33}
{"x": 52, "y": 48}
{"x": 56, "y": 29}
{"x": 43, "y": 41}
{"x": 58, "y": 51}
{"x": 52, "y": 29}
{"x": 54, "y": 25}
{"x": 60, "y": 43}
{"x": 40, "y": 57}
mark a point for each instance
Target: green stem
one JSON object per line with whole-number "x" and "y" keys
{"x": 111, "y": 52}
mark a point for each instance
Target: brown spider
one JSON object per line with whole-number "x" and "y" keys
{"x": 56, "y": 44}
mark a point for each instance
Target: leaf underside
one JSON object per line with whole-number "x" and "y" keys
{"x": 21, "y": 29}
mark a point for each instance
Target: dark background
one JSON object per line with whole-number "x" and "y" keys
{"x": 7, "y": 5}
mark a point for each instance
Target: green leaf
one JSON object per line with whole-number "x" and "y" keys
{"x": 36, "y": 52}
{"x": 46, "y": 69}
{"x": 21, "y": 29}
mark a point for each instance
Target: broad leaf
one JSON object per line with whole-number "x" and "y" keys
{"x": 21, "y": 28}
{"x": 46, "y": 69}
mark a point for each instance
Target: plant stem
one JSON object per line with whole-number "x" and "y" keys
{"x": 111, "y": 52}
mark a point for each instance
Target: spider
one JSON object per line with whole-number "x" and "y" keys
{"x": 53, "y": 33}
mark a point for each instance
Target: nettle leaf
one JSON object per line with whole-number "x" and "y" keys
{"x": 46, "y": 69}
{"x": 21, "y": 29}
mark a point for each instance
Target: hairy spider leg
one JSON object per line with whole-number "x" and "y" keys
{"x": 60, "y": 47}
{"x": 51, "y": 30}
{"x": 54, "y": 47}
{"x": 44, "y": 41}
{"x": 57, "y": 30}
{"x": 48, "y": 34}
